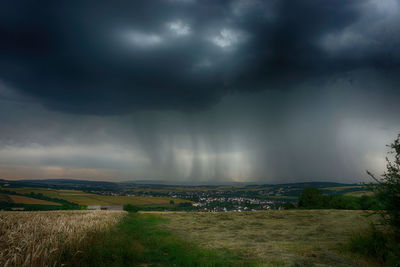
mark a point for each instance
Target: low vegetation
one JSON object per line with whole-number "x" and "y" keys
{"x": 47, "y": 238}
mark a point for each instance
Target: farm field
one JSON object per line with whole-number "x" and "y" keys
{"x": 340, "y": 188}
{"x": 4, "y": 198}
{"x": 40, "y": 238}
{"x": 28, "y": 200}
{"x": 83, "y": 198}
{"x": 265, "y": 238}
{"x": 275, "y": 238}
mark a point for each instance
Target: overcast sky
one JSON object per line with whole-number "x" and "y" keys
{"x": 198, "y": 91}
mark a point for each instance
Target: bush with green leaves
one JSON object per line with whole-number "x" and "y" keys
{"x": 131, "y": 208}
{"x": 387, "y": 190}
{"x": 312, "y": 198}
{"x": 383, "y": 243}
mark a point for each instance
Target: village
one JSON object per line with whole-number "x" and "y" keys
{"x": 217, "y": 200}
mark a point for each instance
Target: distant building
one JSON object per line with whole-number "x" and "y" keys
{"x": 105, "y": 207}
{"x": 17, "y": 208}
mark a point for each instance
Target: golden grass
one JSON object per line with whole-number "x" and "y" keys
{"x": 37, "y": 238}
{"x": 283, "y": 238}
{"x": 83, "y": 198}
{"x": 29, "y": 200}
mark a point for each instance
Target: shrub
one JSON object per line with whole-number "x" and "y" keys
{"x": 370, "y": 243}
{"x": 185, "y": 204}
{"x": 387, "y": 190}
{"x": 383, "y": 244}
{"x": 377, "y": 245}
{"x": 131, "y": 208}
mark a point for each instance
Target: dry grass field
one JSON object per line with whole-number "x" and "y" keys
{"x": 83, "y": 198}
{"x": 275, "y": 238}
{"x": 29, "y": 200}
{"x": 38, "y": 238}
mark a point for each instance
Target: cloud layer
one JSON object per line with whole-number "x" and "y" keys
{"x": 122, "y": 56}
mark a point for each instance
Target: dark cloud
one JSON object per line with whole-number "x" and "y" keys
{"x": 114, "y": 57}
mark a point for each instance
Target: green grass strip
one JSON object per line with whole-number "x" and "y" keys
{"x": 138, "y": 241}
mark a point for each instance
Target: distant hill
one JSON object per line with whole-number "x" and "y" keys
{"x": 67, "y": 181}
{"x": 314, "y": 184}
{"x": 62, "y": 184}
{"x": 74, "y": 183}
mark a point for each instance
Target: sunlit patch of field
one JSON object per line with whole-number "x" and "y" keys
{"x": 275, "y": 238}
{"x": 340, "y": 188}
{"x": 39, "y": 238}
{"x": 83, "y": 198}
{"x": 359, "y": 193}
{"x": 29, "y": 200}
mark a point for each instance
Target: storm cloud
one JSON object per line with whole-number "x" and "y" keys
{"x": 188, "y": 90}
{"x": 115, "y": 57}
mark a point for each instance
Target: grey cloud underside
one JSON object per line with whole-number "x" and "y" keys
{"x": 114, "y": 57}
{"x": 311, "y": 133}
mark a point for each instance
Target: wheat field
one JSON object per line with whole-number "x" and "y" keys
{"x": 38, "y": 238}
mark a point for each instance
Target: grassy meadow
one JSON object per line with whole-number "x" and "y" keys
{"x": 276, "y": 238}
{"x": 84, "y": 198}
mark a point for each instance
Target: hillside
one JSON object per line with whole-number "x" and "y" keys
{"x": 84, "y": 198}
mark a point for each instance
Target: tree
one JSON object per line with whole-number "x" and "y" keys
{"x": 387, "y": 189}
{"x": 311, "y": 197}
{"x": 131, "y": 208}
{"x": 171, "y": 202}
